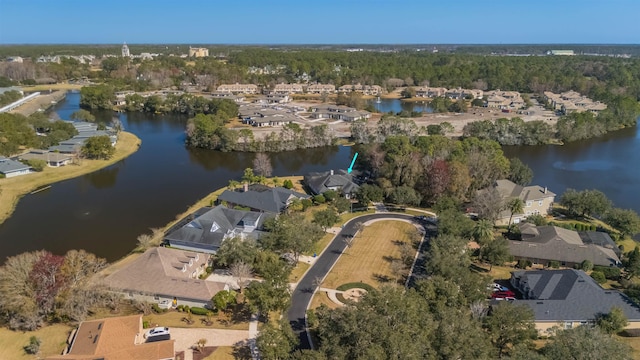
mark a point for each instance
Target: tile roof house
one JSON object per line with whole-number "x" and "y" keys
{"x": 165, "y": 274}
{"x": 569, "y": 298}
{"x": 207, "y": 228}
{"x": 118, "y": 338}
{"x": 340, "y": 181}
{"x": 541, "y": 244}
{"x": 261, "y": 198}
{"x": 537, "y": 200}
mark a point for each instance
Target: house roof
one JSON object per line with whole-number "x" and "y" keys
{"x": 570, "y": 295}
{"x": 8, "y": 166}
{"x": 208, "y": 227}
{"x": 118, "y": 338}
{"x": 45, "y": 155}
{"x": 555, "y": 243}
{"x": 273, "y": 200}
{"x": 321, "y": 182}
{"x": 159, "y": 271}
{"x": 509, "y": 189}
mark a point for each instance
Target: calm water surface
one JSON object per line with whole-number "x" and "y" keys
{"x": 105, "y": 211}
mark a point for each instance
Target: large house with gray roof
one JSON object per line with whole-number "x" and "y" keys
{"x": 164, "y": 274}
{"x": 537, "y": 200}
{"x": 261, "y": 198}
{"x": 542, "y": 244}
{"x": 340, "y": 181}
{"x": 569, "y": 298}
{"x": 10, "y": 168}
{"x": 207, "y": 228}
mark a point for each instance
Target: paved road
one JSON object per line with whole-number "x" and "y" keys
{"x": 303, "y": 293}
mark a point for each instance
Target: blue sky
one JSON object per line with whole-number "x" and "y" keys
{"x": 320, "y": 22}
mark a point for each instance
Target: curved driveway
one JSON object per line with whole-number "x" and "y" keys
{"x": 303, "y": 293}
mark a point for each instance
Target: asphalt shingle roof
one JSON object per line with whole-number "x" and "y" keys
{"x": 554, "y": 243}
{"x": 208, "y": 227}
{"x": 318, "y": 183}
{"x": 273, "y": 200}
{"x": 569, "y": 295}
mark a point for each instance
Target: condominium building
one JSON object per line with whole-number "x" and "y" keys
{"x": 321, "y": 88}
{"x": 238, "y": 88}
{"x": 198, "y": 52}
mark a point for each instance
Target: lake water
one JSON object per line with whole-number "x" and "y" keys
{"x": 396, "y": 106}
{"x": 105, "y": 211}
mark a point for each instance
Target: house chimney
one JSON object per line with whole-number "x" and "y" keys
{"x": 331, "y": 172}
{"x": 245, "y": 187}
{"x": 545, "y": 189}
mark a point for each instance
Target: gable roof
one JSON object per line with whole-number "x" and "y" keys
{"x": 555, "y": 243}
{"x": 320, "y": 182}
{"x": 159, "y": 271}
{"x": 208, "y": 227}
{"x": 8, "y": 166}
{"x": 569, "y": 295}
{"x": 118, "y": 338}
{"x": 262, "y": 198}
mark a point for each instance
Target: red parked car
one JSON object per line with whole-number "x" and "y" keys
{"x": 503, "y": 294}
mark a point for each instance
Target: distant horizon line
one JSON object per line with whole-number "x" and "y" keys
{"x": 324, "y": 44}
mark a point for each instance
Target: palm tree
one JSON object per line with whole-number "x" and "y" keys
{"x": 482, "y": 231}
{"x": 515, "y": 206}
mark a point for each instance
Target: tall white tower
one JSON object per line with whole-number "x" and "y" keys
{"x": 125, "y": 50}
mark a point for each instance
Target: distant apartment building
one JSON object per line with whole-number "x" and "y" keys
{"x": 238, "y": 88}
{"x": 455, "y": 94}
{"x": 15, "y": 59}
{"x": 338, "y": 112}
{"x": 321, "y": 88}
{"x": 561, "y": 52}
{"x": 364, "y": 89}
{"x": 287, "y": 89}
{"x": 125, "y": 50}
{"x": 572, "y": 101}
{"x": 198, "y": 52}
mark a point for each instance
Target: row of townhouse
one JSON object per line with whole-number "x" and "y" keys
{"x": 364, "y": 89}
{"x": 261, "y": 116}
{"x": 455, "y": 94}
{"x": 572, "y": 101}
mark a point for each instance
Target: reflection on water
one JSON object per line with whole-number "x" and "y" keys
{"x": 397, "y": 105}
{"x": 585, "y": 165}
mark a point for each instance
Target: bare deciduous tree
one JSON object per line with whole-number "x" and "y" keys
{"x": 262, "y": 165}
{"x": 241, "y": 273}
{"x": 488, "y": 204}
{"x": 144, "y": 307}
{"x": 397, "y": 268}
{"x": 479, "y": 309}
{"x": 144, "y": 241}
{"x": 407, "y": 253}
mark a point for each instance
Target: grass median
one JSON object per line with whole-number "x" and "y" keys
{"x": 12, "y": 189}
{"x": 369, "y": 258}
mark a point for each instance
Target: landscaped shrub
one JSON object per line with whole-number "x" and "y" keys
{"x": 180, "y": 308}
{"x": 330, "y": 195}
{"x": 157, "y": 310}
{"x": 598, "y": 277}
{"x": 554, "y": 264}
{"x": 199, "y": 311}
{"x": 586, "y": 265}
{"x": 306, "y": 203}
{"x": 34, "y": 345}
{"x": 523, "y": 264}
{"x": 319, "y": 199}
{"x": 609, "y": 272}
{"x": 288, "y": 184}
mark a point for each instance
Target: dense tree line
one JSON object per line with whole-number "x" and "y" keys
{"x": 8, "y": 97}
{"x": 621, "y": 112}
{"x": 18, "y": 132}
{"x": 410, "y": 168}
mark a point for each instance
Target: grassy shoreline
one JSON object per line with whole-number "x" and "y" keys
{"x": 12, "y": 189}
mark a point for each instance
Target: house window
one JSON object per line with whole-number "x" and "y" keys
{"x": 568, "y": 325}
{"x": 540, "y": 202}
{"x": 156, "y": 297}
{"x": 529, "y": 203}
